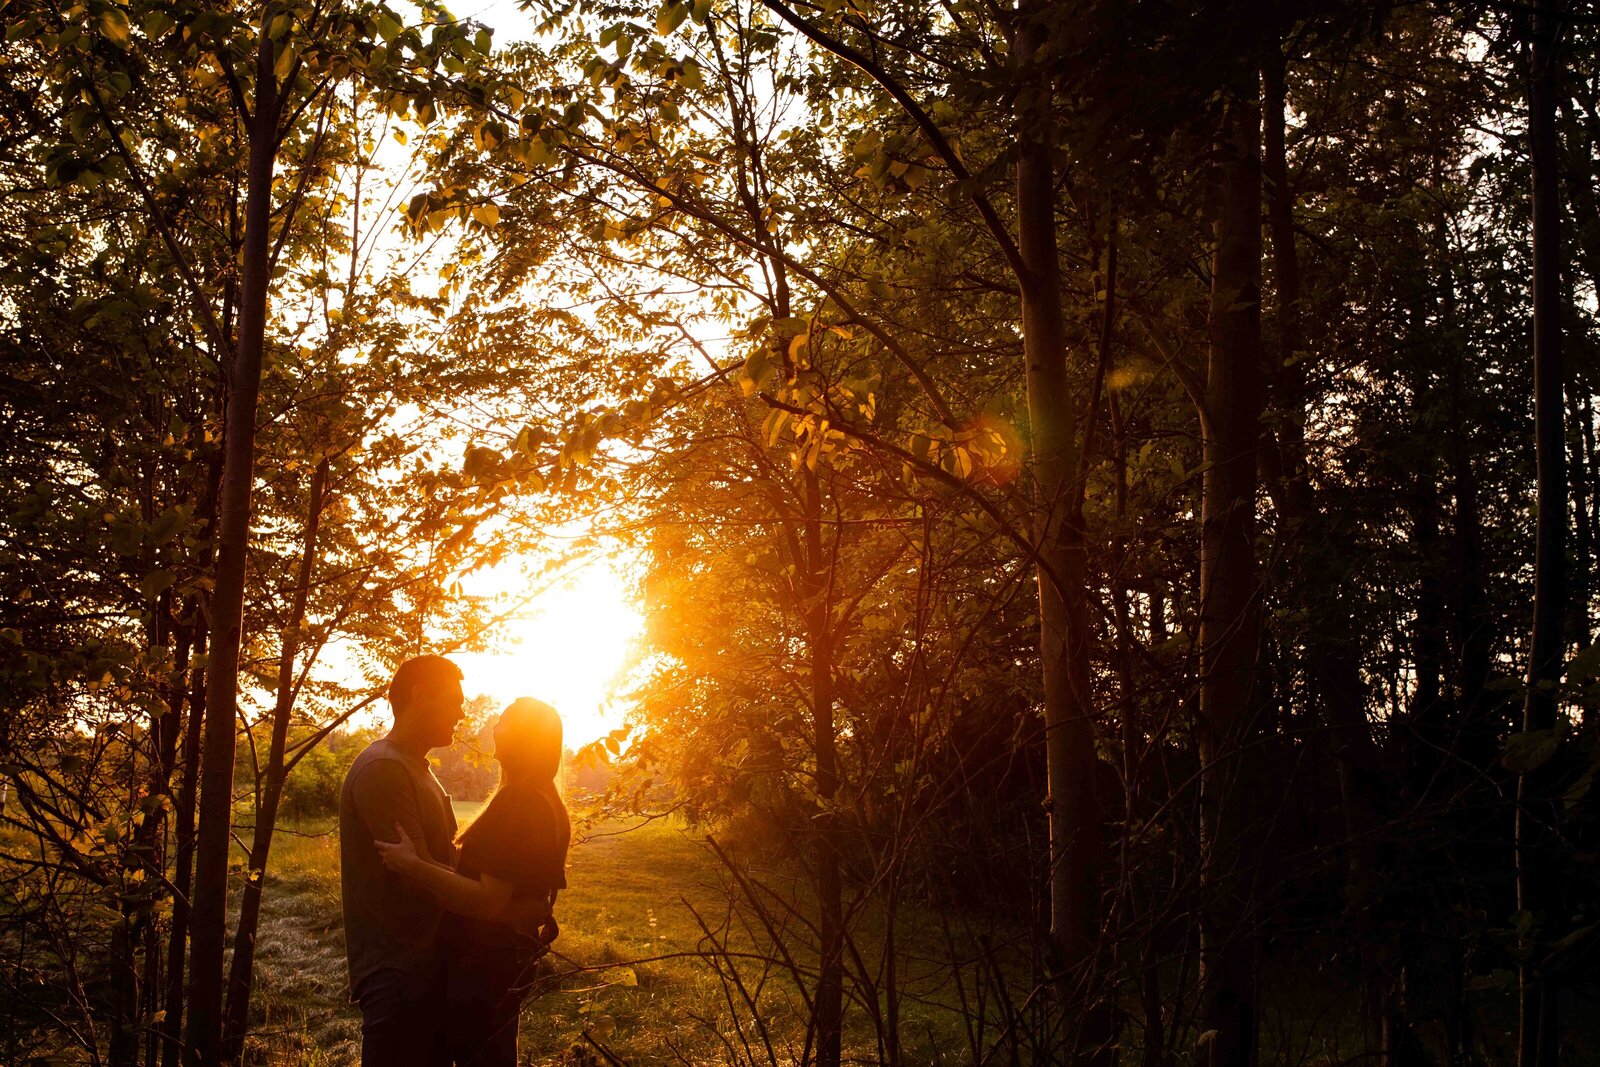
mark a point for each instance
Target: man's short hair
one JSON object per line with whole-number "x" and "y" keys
{"x": 419, "y": 670}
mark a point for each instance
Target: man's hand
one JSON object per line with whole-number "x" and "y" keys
{"x": 530, "y": 916}
{"x": 399, "y": 856}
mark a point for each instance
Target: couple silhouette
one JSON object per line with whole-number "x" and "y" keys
{"x": 443, "y": 928}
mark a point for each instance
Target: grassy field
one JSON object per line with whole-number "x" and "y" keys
{"x": 629, "y": 901}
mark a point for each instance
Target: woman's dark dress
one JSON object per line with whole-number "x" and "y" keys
{"x": 522, "y": 837}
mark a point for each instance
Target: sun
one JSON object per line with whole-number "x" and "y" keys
{"x": 568, "y": 648}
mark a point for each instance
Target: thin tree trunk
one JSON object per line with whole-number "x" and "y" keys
{"x": 213, "y": 837}
{"x": 1288, "y": 372}
{"x": 1133, "y": 771}
{"x": 830, "y": 984}
{"x": 1537, "y": 877}
{"x": 241, "y": 971}
{"x": 122, "y": 1050}
{"x": 168, "y": 728}
{"x": 1333, "y": 650}
{"x": 1230, "y": 603}
{"x": 171, "y": 1024}
{"x": 1579, "y": 482}
{"x": 130, "y": 974}
{"x": 1588, "y": 518}
{"x": 188, "y": 685}
{"x": 1076, "y": 837}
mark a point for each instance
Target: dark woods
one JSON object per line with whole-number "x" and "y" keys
{"x": 1113, "y": 487}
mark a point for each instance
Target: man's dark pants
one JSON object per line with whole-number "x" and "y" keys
{"x": 400, "y": 1025}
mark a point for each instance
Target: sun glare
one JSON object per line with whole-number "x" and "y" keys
{"x": 568, "y": 649}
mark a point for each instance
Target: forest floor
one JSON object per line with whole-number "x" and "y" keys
{"x": 627, "y": 903}
{"x": 628, "y": 976}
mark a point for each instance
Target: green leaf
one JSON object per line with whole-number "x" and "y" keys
{"x": 1529, "y": 750}
{"x": 757, "y": 367}
{"x": 671, "y": 17}
{"x": 1584, "y": 665}
{"x": 155, "y": 583}
{"x": 114, "y": 25}
{"x": 773, "y": 427}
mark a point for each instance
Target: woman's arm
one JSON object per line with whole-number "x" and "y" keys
{"x": 485, "y": 898}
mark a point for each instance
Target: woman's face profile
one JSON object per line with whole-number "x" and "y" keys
{"x": 521, "y": 736}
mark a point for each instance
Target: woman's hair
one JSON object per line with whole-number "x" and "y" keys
{"x": 529, "y": 745}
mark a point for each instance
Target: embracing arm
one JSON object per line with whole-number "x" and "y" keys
{"x": 483, "y": 898}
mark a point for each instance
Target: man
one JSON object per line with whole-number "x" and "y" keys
{"x": 391, "y": 928}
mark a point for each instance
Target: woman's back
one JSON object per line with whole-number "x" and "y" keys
{"x": 521, "y": 835}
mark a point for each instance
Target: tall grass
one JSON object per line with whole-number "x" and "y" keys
{"x": 625, "y": 904}
{"x": 630, "y": 971}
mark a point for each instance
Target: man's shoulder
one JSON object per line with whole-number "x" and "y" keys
{"x": 379, "y": 749}
{"x": 376, "y": 764}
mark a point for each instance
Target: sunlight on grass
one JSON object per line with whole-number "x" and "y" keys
{"x": 623, "y": 905}
{"x": 629, "y": 901}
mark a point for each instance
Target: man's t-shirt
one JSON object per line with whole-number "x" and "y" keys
{"x": 389, "y": 924}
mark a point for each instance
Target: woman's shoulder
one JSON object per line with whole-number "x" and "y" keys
{"x": 521, "y": 837}
{"x": 518, "y": 807}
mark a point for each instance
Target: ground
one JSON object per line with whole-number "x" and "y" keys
{"x": 630, "y": 899}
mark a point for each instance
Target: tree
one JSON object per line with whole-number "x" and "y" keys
{"x": 1229, "y": 633}
{"x": 1537, "y": 882}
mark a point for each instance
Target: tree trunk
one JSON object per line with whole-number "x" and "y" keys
{"x": 1229, "y": 598}
{"x": 210, "y": 898}
{"x": 188, "y": 686}
{"x": 1537, "y": 874}
{"x": 830, "y": 985}
{"x": 167, "y": 728}
{"x": 171, "y": 1024}
{"x": 1579, "y": 481}
{"x": 1076, "y": 836}
{"x": 241, "y": 972}
{"x": 1288, "y": 372}
{"x": 1333, "y": 652}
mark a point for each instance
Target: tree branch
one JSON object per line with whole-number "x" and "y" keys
{"x": 924, "y": 121}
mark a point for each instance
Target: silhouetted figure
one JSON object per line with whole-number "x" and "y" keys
{"x": 392, "y": 926}
{"x": 510, "y": 866}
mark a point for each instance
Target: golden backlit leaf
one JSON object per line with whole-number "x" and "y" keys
{"x": 114, "y": 25}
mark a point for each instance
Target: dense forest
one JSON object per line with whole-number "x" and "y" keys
{"x": 1111, "y": 486}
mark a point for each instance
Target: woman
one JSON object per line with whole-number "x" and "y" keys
{"x": 510, "y": 863}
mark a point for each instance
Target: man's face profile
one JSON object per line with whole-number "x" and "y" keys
{"x": 436, "y": 708}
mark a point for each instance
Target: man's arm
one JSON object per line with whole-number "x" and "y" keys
{"x": 483, "y": 898}
{"x": 385, "y": 797}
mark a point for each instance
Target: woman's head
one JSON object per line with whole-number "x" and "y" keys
{"x": 527, "y": 739}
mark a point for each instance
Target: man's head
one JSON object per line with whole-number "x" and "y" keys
{"x": 426, "y": 697}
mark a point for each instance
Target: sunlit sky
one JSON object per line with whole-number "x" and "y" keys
{"x": 509, "y": 23}
{"x": 572, "y": 642}
{"x": 567, "y": 648}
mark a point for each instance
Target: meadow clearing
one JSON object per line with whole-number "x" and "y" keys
{"x": 625, "y": 978}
